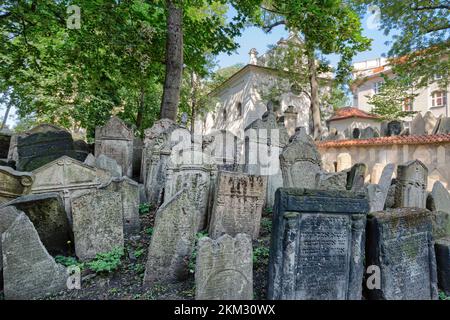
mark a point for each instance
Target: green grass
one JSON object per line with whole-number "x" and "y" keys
{"x": 106, "y": 262}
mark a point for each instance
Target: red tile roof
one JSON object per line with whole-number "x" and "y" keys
{"x": 401, "y": 140}
{"x": 351, "y": 112}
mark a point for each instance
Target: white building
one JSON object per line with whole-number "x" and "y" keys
{"x": 368, "y": 79}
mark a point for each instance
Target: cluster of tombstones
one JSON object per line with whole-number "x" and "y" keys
{"x": 328, "y": 229}
{"x": 420, "y": 125}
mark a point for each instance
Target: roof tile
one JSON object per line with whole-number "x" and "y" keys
{"x": 425, "y": 139}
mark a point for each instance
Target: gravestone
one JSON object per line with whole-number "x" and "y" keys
{"x": 238, "y": 204}
{"x": 69, "y": 178}
{"x": 264, "y": 141}
{"x": 13, "y": 183}
{"x": 129, "y": 193}
{"x": 317, "y": 245}
{"x": 443, "y": 125}
{"x": 173, "y": 240}
{"x": 332, "y": 181}
{"x": 5, "y": 139}
{"x": 29, "y": 272}
{"x": 198, "y": 179}
{"x": 356, "y": 176}
{"x": 300, "y": 161}
{"x": 90, "y": 160}
{"x": 400, "y": 243}
{"x": 384, "y": 128}
{"x": 109, "y": 164}
{"x": 138, "y": 145}
{"x": 223, "y": 148}
{"x": 439, "y": 199}
{"x": 368, "y": 133}
{"x": 38, "y": 149}
{"x": 411, "y": 187}
{"x": 7, "y": 217}
{"x": 82, "y": 150}
{"x": 97, "y": 223}
{"x": 115, "y": 140}
{"x": 46, "y": 212}
{"x": 417, "y": 126}
{"x": 224, "y": 268}
{"x": 344, "y": 161}
{"x": 376, "y": 173}
{"x": 430, "y": 122}
{"x": 394, "y": 128}
{"x": 442, "y": 251}
{"x": 377, "y": 193}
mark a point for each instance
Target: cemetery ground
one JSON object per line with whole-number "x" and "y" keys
{"x": 125, "y": 281}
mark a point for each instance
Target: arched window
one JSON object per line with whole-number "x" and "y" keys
{"x": 239, "y": 109}
{"x": 439, "y": 98}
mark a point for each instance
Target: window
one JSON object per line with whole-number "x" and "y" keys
{"x": 438, "y": 99}
{"x": 408, "y": 104}
{"x": 377, "y": 86}
{"x": 239, "y": 109}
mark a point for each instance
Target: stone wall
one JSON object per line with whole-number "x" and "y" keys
{"x": 432, "y": 150}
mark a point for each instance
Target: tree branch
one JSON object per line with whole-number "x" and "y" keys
{"x": 438, "y": 28}
{"x": 442, "y": 6}
{"x": 269, "y": 28}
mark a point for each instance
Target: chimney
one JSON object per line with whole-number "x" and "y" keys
{"x": 253, "y": 56}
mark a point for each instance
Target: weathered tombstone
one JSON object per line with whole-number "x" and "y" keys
{"x": 223, "y": 148}
{"x": 440, "y": 198}
{"x": 264, "y": 142}
{"x": 300, "y": 161}
{"x": 46, "y": 212}
{"x": 7, "y": 217}
{"x": 115, "y": 140}
{"x": 384, "y": 128}
{"x": 376, "y": 173}
{"x": 400, "y": 244}
{"x": 29, "y": 272}
{"x": 138, "y": 145}
{"x": 13, "y": 183}
{"x": 224, "y": 268}
{"x": 38, "y": 149}
{"x": 238, "y": 204}
{"x": 344, "y": 161}
{"x": 97, "y": 223}
{"x": 368, "y": 133}
{"x": 332, "y": 181}
{"x": 443, "y": 126}
{"x": 90, "y": 160}
{"x": 109, "y": 164}
{"x": 317, "y": 246}
{"x": 5, "y": 139}
{"x": 356, "y": 176}
{"x": 82, "y": 150}
{"x": 377, "y": 193}
{"x": 198, "y": 179}
{"x": 394, "y": 128}
{"x": 69, "y": 178}
{"x": 430, "y": 122}
{"x": 411, "y": 188}
{"x": 442, "y": 251}
{"x": 417, "y": 126}
{"x": 129, "y": 192}
{"x": 173, "y": 240}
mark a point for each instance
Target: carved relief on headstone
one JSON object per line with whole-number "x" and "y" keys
{"x": 173, "y": 240}
{"x": 238, "y": 203}
{"x": 29, "y": 272}
{"x": 13, "y": 183}
{"x": 400, "y": 243}
{"x": 377, "y": 193}
{"x": 97, "y": 223}
{"x": 317, "y": 248}
{"x": 224, "y": 268}
{"x": 300, "y": 161}
{"x": 46, "y": 212}
{"x": 264, "y": 142}
{"x": 69, "y": 178}
{"x": 129, "y": 193}
{"x": 412, "y": 178}
{"x": 37, "y": 149}
{"x": 115, "y": 140}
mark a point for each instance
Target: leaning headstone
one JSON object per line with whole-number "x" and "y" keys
{"x": 7, "y": 217}
{"x": 440, "y": 198}
{"x": 411, "y": 188}
{"x": 443, "y": 126}
{"x": 400, "y": 244}
{"x": 46, "y": 212}
{"x": 394, "y": 128}
{"x": 417, "y": 126}
{"x": 356, "y": 176}
{"x": 224, "y": 268}
{"x": 29, "y": 272}
{"x": 442, "y": 250}
{"x": 430, "y": 122}
{"x": 129, "y": 192}
{"x": 317, "y": 247}
{"x": 97, "y": 223}
{"x": 108, "y": 164}
{"x": 38, "y": 149}
{"x": 115, "y": 140}
{"x": 13, "y": 183}
{"x": 173, "y": 240}
{"x": 377, "y": 193}
{"x": 238, "y": 203}
{"x": 300, "y": 161}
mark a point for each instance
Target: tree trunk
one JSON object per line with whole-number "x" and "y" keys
{"x": 315, "y": 104}
{"x": 5, "y": 118}
{"x": 174, "y": 60}
{"x": 140, "y": 112}
{"x": 193, "y": 100}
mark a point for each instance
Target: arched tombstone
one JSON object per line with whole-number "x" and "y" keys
{"x": 394, "y": 128}
{"x": 411, "y": 187}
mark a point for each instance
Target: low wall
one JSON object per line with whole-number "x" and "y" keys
{"x": 432, "y": 150}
